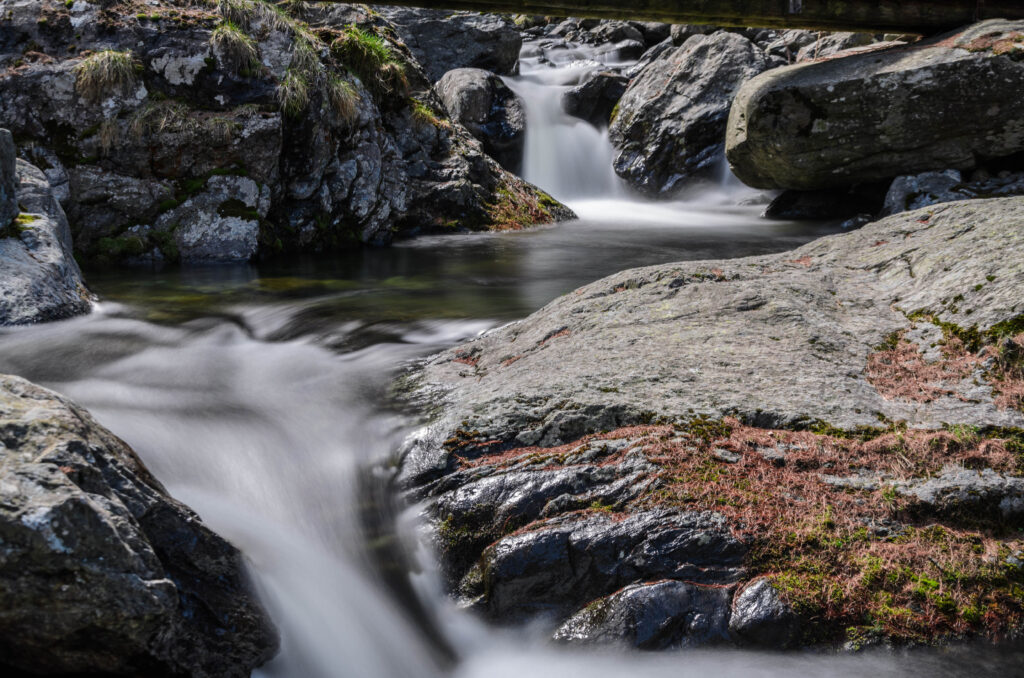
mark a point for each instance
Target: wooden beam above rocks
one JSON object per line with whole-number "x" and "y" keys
{"x": 888, "y": 16}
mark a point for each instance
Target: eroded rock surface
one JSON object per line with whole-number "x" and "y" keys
{"x": 775, "y": 339}
{"x": 102, "y": 572}
{"x": 654, "y": 616}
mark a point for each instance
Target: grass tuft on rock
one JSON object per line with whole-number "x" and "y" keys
{"x": 370, "y": 58}
{"x": 344, "y": 98}
{"x": 306, "y": 59}
{"x": 425, "y": 115}
{"x": 106, "y": 73}
{"x": 238, "y": 50}
{"x": 293, "y": 94}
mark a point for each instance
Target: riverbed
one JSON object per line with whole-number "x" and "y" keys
{"x": 258, "y": 394}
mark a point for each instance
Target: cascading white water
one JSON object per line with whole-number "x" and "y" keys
{"x": 567, "y": 157}
{"x": 573, "y": 160}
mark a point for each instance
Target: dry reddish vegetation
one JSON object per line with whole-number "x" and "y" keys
{"x": 900, "y": 371}
{"x": 853, "y": 559}
{"x": 855, "y": 562}
{"x": 1008, "y": 376}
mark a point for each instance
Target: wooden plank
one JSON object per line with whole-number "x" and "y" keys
{"x": 888, "y": 16}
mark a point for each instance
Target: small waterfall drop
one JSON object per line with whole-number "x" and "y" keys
{"x": 573, "y": 160}
{"x": 567, "y": 157}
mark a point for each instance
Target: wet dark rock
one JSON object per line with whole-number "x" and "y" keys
{"x": 8, "y": 179}
{"x": 616, "y": 31}
{"x": 648, "y": 57}
{"x": 760, "y": 617}
{"x": 595, "y": 99}
{"x": 670, "y": 125}
{"x": 474, "y": 510}
{"x": 557, "y": 567}
{"x": 625, "y": 50}
{"x": 828, "y": 203}
{"x": 443, "y": 41}
{"x": 102, "y": 572}
{"x": 39, "y": 278}
{"x": 653, "y": 32}
{"x": 786, "y": 45}
{"x": 655, "y": 616}
{"x": 931, "y": 188}
{"x": 945, "y": 103}
{"x": 492, "y": 113}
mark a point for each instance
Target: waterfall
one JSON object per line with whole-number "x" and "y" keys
{"x": 567, "y": 157}
{"x": 573, "y": 160}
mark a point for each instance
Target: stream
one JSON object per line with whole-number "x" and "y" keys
{"x": 258, "y": 395}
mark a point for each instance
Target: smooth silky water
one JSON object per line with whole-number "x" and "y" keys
{"x": 258, "y": 395}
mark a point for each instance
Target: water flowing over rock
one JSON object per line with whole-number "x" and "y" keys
{"x": 39, "y": 278}
{"x": 946, "y": 103}
{"x": 491, "y": 112}
{"x": 443, "y": 41}
{"x": 148, "y": 121}
{"x": 670, "y": 123}
{"x": 102, "y": 572}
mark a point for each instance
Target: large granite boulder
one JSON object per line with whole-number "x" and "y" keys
{"x": 39, "y": 278}
{"x": 443, "y": 41}
{"x": 102, "y": 572}
{"x": 758, "y": 315}
{"x": 670, "y": 124}
{"x": 698, "y": 452}
{"x": 492, "y": 113}
{"x": 947, "y": 103}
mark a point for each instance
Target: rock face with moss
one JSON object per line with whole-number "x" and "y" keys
{"x": 834, "y": 437}
{"x": 39, "y": 279}
{"x": 220, "y": 132}
{"x": 946, "y": 103}
{"x": 443, "y": 41}
{"x": 102, "y": 572}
